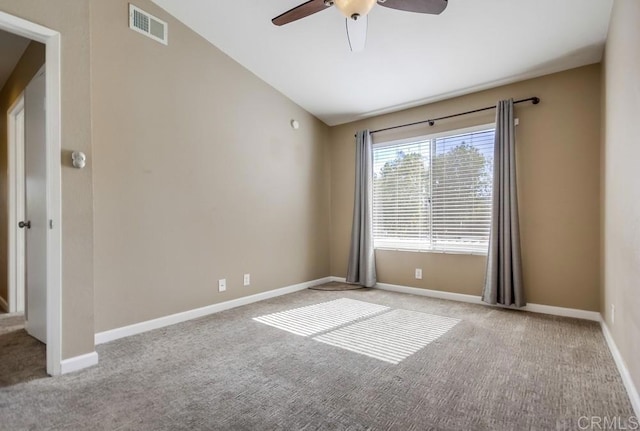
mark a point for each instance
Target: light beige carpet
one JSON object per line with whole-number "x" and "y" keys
{"x": 494, "y": 370}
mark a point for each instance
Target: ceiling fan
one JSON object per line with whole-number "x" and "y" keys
{"x": 356, "y": 12}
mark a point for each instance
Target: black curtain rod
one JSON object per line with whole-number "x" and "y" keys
{"x": 534, "y": 100}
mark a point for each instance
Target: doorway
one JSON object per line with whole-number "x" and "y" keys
{"x": 49, "y": 193}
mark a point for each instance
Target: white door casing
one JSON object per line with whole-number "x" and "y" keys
{"x": 51, "y": 39}
{"x": 35, "y": 173}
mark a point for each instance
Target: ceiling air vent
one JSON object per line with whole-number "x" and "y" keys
{"x": 147, "y": 24}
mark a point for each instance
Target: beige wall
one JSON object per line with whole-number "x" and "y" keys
{"x": 71, "y": 19}
{"x": 197, "y": 175}
{"x": 558, "y": 171}
{"x": 31, "y": 61}
{"x": 621, "y": 182}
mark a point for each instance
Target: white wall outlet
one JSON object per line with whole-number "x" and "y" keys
{"x": 247, "y": 279}
{"x": 418, "y": 273}
{"x": 613, "y": 314}
{"x": 222, "y": 285}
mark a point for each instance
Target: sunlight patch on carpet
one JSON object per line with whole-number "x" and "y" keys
{"x": 390, "y": 337}
{"x": 317, "y": 318}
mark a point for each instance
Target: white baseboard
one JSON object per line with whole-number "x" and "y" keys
{"x": 3, "y": 305}
{"x": 472, "y": 299}
{"x": 562, "y": 311}
{"x": 90, "y": 359}
{"x": 78, "y": 363}
{"x": 161, "y": 322}
{"x": 460, "y": 297}
{"x": 632, "y": 391}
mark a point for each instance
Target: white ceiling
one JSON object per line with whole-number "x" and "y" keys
{"x": 410, "y": 59}
{"x": 11, "y": 49}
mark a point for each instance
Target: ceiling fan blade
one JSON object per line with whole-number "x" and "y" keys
{"x": 357, "y": 33}
{"x": 434, "y": 7}
{"x": 299, "y": 12}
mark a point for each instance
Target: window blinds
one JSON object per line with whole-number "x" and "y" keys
{"x": 434, "y": 193}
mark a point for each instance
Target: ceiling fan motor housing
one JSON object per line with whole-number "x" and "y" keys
{"x": 354, "y": 8}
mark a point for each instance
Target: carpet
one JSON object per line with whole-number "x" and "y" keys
{"x": 495, "y": 369}
{"x": 22, "y": 357}
{"x": 391, "y": 337}
{"x": 370, "y": 329}
{"x": 317, "y": 318}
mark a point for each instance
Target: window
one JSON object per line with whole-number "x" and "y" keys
{"x": 434, "y": 193}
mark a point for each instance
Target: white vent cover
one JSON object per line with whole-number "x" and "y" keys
{"x": 147, "y": 24}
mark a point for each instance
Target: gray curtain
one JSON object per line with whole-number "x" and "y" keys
{"x": 362, "y": 261}
{"x": 503, "y": 280}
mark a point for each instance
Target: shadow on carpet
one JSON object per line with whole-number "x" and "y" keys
{"x": 335, "y": 286}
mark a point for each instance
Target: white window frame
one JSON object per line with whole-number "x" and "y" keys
{"x": 418, "y": 246}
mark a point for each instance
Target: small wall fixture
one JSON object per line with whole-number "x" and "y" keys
{"x": 295, "y": 125}
{"x": 79, "y": 159}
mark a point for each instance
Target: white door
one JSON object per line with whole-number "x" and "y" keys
{"x": 35, "y": 223}
{"x": 20, "y": 234}
{"x": 16, "y": 206}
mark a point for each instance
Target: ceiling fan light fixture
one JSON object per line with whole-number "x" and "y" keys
{"x": 354, "y": 8}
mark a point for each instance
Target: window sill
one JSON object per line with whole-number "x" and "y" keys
{"x": 417, "y": 250}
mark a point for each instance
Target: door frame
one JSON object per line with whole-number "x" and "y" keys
{"x": 16, "y": 182}
{"x": 51, "y": 39}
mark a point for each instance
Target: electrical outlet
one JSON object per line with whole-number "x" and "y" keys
{"x": 247, "y": 279}
{"x": 222, "y": 285}
{"x": 418, "y": 273}
{"x": 613, "y": 314}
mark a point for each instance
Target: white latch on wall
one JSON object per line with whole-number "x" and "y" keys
{"x": 79, "y": 159}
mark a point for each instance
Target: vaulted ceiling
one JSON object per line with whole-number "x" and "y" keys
{"x": 410, "y": 59}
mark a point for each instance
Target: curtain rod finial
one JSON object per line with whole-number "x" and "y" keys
{"x": 432, "y": 123}
{"x": 536, "y": 100}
